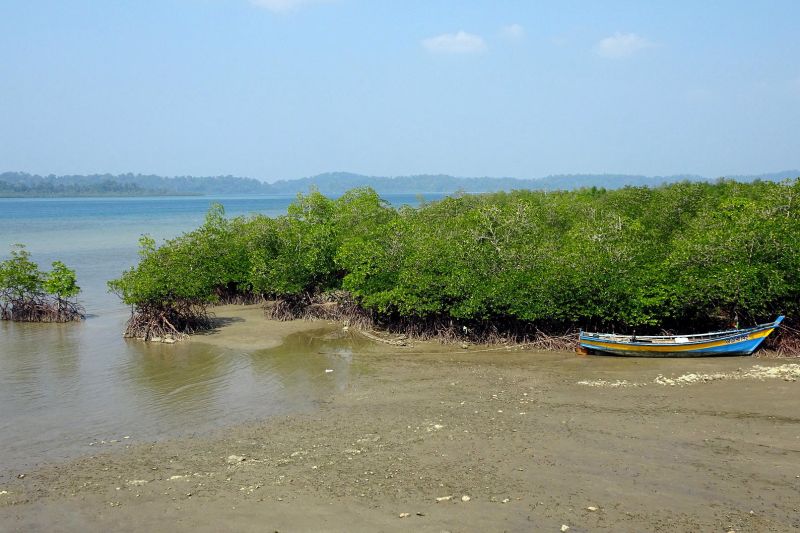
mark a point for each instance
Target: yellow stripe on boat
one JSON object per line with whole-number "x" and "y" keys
{"x": 688, "y": 347}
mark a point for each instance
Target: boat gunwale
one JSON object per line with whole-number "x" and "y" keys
{"x": 701, "y": 338}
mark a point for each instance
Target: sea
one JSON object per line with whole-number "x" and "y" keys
{"x": 75, "y": 389}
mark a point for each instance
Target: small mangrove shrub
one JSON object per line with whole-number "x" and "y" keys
{"x": 28, "y": 294}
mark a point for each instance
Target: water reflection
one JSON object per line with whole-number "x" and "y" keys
{"x": 40, "y": 352}
{"x": 63, "y": 386}
{"x": 312, "y": 364}
{"x": 165, "y": 371}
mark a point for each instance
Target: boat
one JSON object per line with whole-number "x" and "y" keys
{"x": 729, "y": 342}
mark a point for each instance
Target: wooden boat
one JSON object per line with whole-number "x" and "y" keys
{"x": 729, "y": 342}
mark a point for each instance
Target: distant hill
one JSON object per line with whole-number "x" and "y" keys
{"x": 46, "y": 189}
{"x": 331, "y": 183}
{"x": 338, "y": 182}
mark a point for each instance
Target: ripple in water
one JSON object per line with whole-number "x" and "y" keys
{"x": 63, "y": 386}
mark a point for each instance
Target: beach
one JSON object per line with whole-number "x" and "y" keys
{"x": 435, "y": 438}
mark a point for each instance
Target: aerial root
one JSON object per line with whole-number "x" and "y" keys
{"x": 156, "y": 323}
{"x": 41, "y": 309}
{"x": 340, "y": 306}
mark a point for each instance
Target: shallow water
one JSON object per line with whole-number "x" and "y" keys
{"x": 72, "y": 389}
{"x": 64, "y": 386}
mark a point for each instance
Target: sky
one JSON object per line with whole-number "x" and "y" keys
{"x": 281, "y": 89}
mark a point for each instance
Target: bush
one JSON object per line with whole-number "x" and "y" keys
{"x": 30, "y": 295}
{"x": 688, "y": 255}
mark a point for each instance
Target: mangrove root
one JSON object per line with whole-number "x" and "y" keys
{"x": 340, "y": 306}
{"x": 337, "y": 305}
{"x": 41, "y": 308}
{"x": 175, "y": 322}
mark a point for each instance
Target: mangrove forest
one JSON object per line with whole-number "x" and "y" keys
{"x": 689, "y": 256}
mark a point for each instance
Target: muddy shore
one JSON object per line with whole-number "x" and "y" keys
{"x": 440, "y": 439}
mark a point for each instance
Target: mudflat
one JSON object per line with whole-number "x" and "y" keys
{"x": 430, "y": 438}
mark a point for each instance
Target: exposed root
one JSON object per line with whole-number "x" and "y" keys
{"x": 41, "y": 308}
{"x": 339, "y": 305}
{"x": 785, "y": 342}
{"x": 448, "y": 331}
{"x": 230, "y": 297}
{"x": 168, "y": 323}
{"x": 284, "y": 309}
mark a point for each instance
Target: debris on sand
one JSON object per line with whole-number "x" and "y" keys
{"x": 609, "y": 384}
{"x": 786, "y": 372}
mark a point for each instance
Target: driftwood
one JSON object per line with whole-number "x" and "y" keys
{"x": 400, "y": 341}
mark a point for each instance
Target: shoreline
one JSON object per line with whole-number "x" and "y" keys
{"x": 244, "y": 327}
{"x": 426, "y": 425}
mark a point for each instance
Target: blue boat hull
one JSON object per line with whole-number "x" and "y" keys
{"x": 734, "y": 342}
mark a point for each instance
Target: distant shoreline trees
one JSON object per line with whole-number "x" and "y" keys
{"x": 29, "y": 295}
{"x": 51, "y": 189}
{"x": 20, "y": 184}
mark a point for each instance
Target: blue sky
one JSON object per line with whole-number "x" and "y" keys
{"x": 288, "y": 88}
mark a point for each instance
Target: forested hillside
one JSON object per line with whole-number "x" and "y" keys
{"x": 331, "y": 183}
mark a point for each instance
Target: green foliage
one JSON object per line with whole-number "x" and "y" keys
{"x": 165, "y": 275}
{"x": 19, "y": 276}
{"x": 27, "y": 293}
{"x": 61, "y": 281}
{"x": 304, "y": 251}
{"x": 687, "y": 254}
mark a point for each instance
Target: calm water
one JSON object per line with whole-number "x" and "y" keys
{"x": 64, "y": 386}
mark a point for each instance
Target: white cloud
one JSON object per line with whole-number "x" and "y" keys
{"x": 621, "y": 45}
{"x": 513, "y": 32}
{"x": 282, "y": 6}
{"x": 455, "y": 43}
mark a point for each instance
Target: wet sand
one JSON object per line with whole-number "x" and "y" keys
{"x": 517, "y": 432}
{"x": 243, "y": 327}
